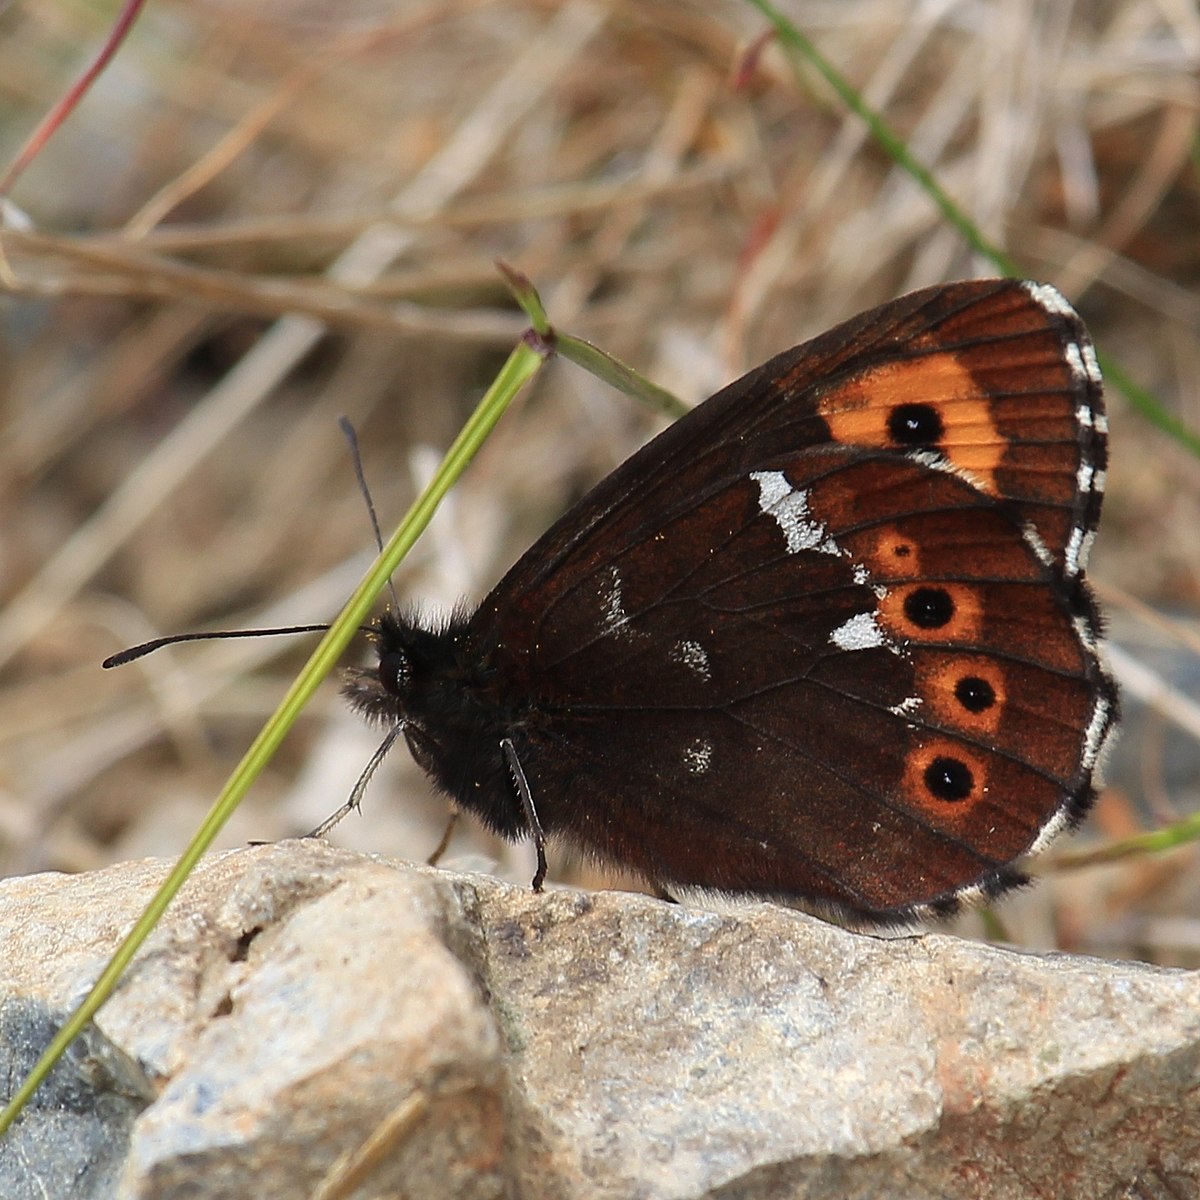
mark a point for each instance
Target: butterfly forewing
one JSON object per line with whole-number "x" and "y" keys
{"x": 1010, "y": 383}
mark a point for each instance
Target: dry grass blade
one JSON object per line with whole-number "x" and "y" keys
{"x": 236, "y": 397}
{"x": 252, "y": 226}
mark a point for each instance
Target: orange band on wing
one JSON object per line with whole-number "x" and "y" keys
{"x": 858, "y": 413}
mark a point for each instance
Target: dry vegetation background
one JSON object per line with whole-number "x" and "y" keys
{"x": 268, "y": 215}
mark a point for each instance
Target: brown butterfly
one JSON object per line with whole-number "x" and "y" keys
{"x": 827, "y": 638}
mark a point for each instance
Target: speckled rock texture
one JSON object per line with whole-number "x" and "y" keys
{"x": 313, "y": 1022}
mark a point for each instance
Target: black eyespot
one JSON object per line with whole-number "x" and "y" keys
{"x": 929, "y": 607}
{"x": 949, "y": 778}
{"x": 915, "y": 425}
{"x": 394, "y": 672}
{"x": 974, "y": 694}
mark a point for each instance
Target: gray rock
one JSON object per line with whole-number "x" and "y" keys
{"x": 310, "y": 1021}
{"x": 88, "y": 1105}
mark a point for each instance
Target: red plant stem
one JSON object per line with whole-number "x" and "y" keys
{"x": 59, "y": 113}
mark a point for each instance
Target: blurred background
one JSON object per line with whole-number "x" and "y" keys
{"x": 265, "y": 216}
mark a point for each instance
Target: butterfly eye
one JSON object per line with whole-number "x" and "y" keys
{"x": 395, "y": 671}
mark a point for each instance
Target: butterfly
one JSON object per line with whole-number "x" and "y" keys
{"x": 827, "y": 639}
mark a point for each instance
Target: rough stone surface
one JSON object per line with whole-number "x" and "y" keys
{"x": 325, "y": 1023}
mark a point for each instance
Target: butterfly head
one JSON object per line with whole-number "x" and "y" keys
{"x": 415, "y": 662}
{"x": 436, "y": 683}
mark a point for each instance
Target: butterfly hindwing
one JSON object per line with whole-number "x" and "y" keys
{"x": 688, "y": 702}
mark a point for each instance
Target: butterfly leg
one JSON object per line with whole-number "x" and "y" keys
{"x": 330, "y": 821}
{"x": 535, "y": 826}
{"x": 355, "y": 799}
{"x": 435, "y": 857}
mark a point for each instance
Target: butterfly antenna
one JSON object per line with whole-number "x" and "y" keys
{"x": 351, "y": 437}
{"x": 135, "y": 652}
{"x": 355, "y": 799}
